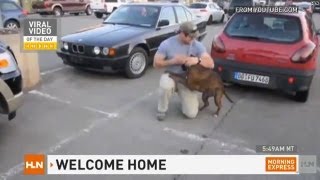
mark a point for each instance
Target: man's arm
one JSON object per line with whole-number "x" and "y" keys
{"x": 160, "y": 61}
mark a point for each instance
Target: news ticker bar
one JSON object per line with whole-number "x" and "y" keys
{"x": 177, "y": 164}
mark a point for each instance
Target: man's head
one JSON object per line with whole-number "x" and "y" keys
{"x": 143, "y": 11}
{"x": 188, "y": 32}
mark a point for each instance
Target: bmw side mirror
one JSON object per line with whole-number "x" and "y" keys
{"x": 163, "y": 22}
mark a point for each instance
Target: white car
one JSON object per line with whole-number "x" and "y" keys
{"x": 263, "y": 2}
{"x": 101, "y": 7}
{"x": 210, "y": 11}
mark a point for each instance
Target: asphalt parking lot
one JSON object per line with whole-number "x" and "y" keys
{"x": 76, "y": 112}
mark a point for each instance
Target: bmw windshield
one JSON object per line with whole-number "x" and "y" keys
{"x": 135, "y": 15}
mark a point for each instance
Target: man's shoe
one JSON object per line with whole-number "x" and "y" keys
{"x": 161, "y": 116}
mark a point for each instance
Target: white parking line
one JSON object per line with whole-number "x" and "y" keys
{"x": 52, "y": 71}
{"x": 221, "y": 144}
{"x": 109, "y": 115}
{"x": 48, "y": 96}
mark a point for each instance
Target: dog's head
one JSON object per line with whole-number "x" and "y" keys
{"x": 197, "y": 71}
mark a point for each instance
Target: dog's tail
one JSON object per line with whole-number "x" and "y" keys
{"x": 227, "y": 96}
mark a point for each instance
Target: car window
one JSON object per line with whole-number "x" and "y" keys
{"x": 235, "y": 3}
{"x": 8, "y": 6}
{"x": 277, "y": 28}
{"x": 168, "y": 14}
{"x": 139, "y": 15}
{"x": 198, "y": 6}
{"x": 111, "y": 1}
{"x": 181, "y": 14}
{"x": 215, "y": 6}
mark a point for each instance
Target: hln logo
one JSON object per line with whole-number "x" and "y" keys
{"x": 34, "y": 164}
{"x": 31, "y": 165}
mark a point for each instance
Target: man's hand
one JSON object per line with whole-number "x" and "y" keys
{"x": 180, "y": 59}
{"x": 206, "y": 61}
{"x": 192, "y": 61}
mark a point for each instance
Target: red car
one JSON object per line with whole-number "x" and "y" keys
{"x": 268, "y": 50}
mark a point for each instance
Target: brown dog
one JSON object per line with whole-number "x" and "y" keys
{"x": 207, "y": 81}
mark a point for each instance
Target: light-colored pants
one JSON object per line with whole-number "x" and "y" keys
{"x": 189, "y": 99}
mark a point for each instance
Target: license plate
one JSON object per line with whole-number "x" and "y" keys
{"x": 76, "y": 60}
{"x": 251, "y": 78}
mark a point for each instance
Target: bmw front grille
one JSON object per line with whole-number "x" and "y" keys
{"x": 78, "y": 49}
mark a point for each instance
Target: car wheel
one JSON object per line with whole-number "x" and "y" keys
{"x": 137, "y": 63}
{"x": 88, "y": 11}
{"x": 43, "y": 14}
{"x": 98, "y": 15}
{"x": 11, "y": 24}
{"x": 222, "y": 19}
{"x": 76, "y": 14}
{"x": 210, "y": 20}
{"x": 57, "y": 11}
{"x": 302, "y": 96}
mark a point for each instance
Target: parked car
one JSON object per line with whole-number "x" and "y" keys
{"x": 316, "y": 6}
{"x": 12, "y": 14}
{"x": 211, "y": 12}
{"x": 59, "y": 7}
{"x": 11, "y": 93}
{"x": 304, "y": 6}
{"x": 241, "y": 3}
{"x": 128, "y": 39}
{"x": 101, "y": 7}
{"x": 274, "y": 51}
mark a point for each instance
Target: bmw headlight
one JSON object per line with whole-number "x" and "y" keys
{"x": 96, "y": 50}
{"x": 105, "y": 51}
{"x": 7, "y": 62}
{"x": 65, "y": 46}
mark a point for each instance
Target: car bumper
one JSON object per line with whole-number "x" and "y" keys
{"x": 278, "y": 77}
{"x": 42, "y": 10}
{"x": 99, "y": 10}
{"x": 94, "y": 63}
{"x": 11, "y": 90}
{"x": 316, "y": 9}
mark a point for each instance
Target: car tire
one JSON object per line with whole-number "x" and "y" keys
{"x": 12, "y": 24}
{"x": 43, "y": 14}
{"x": 302, "y": 96}
{"x": 222, "y": 19}
{"x": 98, "y": 15}
{"x": 76, "y": 14}
{"x": 57, "y": 11}
{"x": 210, "y": 20}
{"x": 139, "y": 58}
{"x": 88, "y": 11}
